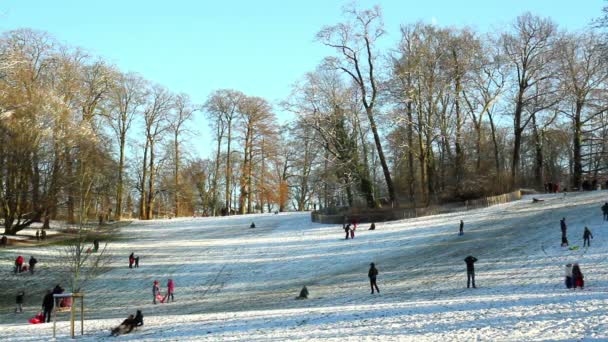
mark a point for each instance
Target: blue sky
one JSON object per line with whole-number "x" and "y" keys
{"x": 259, "y": 47}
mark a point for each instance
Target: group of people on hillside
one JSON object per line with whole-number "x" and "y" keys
{"x": 349, "y": 229}
{"x": 40, "y": 234}
{"x": 133, "y": 260}
{"x": 587, "y": 235}
{"x": 157, "y": 296}
{"x": 21, "y": 267}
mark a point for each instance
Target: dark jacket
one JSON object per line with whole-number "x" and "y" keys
{"x": 58, "y": 290}
{"x": 48, "y": 303}
{"x": 139, "y": 318}
{"x": 587, "y": 234}
{"x": 605, "y": 208}
{"x": 33, "y": 262}
{"x": 562, "y": 224}
{"x": 373, "y": 272}
{"x": 470, "y": 260}
{"x": 20, "y": 296}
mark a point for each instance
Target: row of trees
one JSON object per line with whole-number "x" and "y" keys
{"x": 444, "y": 114}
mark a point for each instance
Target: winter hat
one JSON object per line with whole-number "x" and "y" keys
{"x": 372, "y": 264}
{"x": 156, "y": 282}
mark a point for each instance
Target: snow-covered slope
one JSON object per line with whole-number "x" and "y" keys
{"x": 236, "y": 283}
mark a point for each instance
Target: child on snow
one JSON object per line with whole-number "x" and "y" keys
{"x": 577, "y": 277}
{"x": 586, "y": 235}
{"x": 372, "y": 274}
{"x": 347, "y": 230}
{"x": 156, "y": 292}
{"x": 170, "y": 290}
{"x": 568, "y": 279}
{"x": 131, "y": 260}
{"x": 19, "y": 301}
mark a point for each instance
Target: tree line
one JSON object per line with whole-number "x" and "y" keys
{"x": 443, "y": 114}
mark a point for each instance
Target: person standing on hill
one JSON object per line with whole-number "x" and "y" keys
{"x": 131, "y": 260}
{"x": 19, "y": 301}
{"x": 470, "y": 261}
{"x": 32, "y": 263}
{"x": 47, "y": 305}
{"x": 605, "y": 211}
{"x": 170, "y": 290}
{"x": 347, "y": 230}
{"x": 18, "y": 264}
{"x": 461, "y": 231}
{"x": 564, "y": 228}
{"x": 372, "y": 274}
{"x": 155, "y": 291}
{"x": 586, "y": 235}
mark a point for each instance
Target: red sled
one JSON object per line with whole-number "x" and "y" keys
{"x": 160, "y": 298}
{"x": 38, "y": 319}
{"x": 580, "y": 283}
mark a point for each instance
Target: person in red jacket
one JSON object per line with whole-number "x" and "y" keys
{"x": 170, "y": 290}
{"x": 18, "y": 264}
{"x": 131, "y": 260}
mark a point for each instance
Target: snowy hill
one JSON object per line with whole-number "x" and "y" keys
{"x": 236, "y": 283}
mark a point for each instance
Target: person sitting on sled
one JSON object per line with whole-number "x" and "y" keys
{"x": 125, "y": 327}
{"x": 139, "y": 319}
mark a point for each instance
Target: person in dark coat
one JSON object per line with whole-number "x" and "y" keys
{"x": 347, "y": 230}
{"x": 564, "y": 228}
{"x": 252, "y": 225}
{"x": 605, "y": 211}
{"x": 461, "y": 230}
{"x": 131, "y": 260}
{"x": 47, "y": 305}
{"x": 586, "y": 236}
{"x": 470, "y": 261}
{"x": 125, "y": 327}
{"x": 372, "y": 227}
{"x": 95, "y": 245}
{"x": 58, "y": 289}
{"x": 136, "y": 262}
{"x": 3, "y": 241}
{"x": 32, "y": 263}
{"x": 139, "y": 319}
{"x": 577, "y": 277}
{"x": 372, "y": 274}
{"x": 19, "y": 301}
{"x": 37, "y": 235}
{"x": 43, "y": 235}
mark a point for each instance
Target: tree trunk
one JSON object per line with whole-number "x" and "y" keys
{"x": 150, "y": 198}
{"x": 577, "y": 174}
{"x": 387, "y": 173}
{"x": 144, "y": 171}
{"x": 119, "y": 185}
{"x": 517, "y": 132}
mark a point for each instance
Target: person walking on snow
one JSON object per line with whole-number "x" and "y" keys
{"x": 470, "y": 261}
{"x": 586, "y": 235}
{"x": 131, "y": 260}
{"x": 352, "y": 231}
{"x": 170, "y": 290}
{"x": 347, "y": 230}
{"x": 155, "y": 291}
{"x": 564, "y": 228}
{"x": 372, "y": 274}
{"x": 461, "y": 231}
{"x": 32, "y": 263}
{"x": 605, "y": 211}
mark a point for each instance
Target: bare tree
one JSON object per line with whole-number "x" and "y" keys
{"x": 355, "y": 43}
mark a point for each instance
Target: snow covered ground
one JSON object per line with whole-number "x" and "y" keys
{"x": 235, "y": 283}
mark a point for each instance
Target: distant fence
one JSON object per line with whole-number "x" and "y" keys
{"x": 391, "y": 214}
